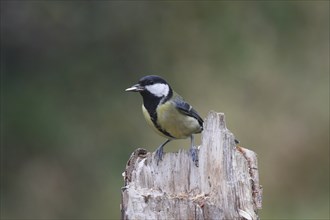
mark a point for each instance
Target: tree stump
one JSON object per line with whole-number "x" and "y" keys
{"x": 225, "y": 185}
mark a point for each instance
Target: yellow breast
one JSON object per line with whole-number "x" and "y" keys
{"x": 178, "y": 125}
{"x": 150, "y": 123}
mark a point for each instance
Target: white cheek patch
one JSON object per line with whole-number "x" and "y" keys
{"x": 158, "y": 89}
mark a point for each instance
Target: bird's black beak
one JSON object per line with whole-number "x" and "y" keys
{"x": 135, "y": 88}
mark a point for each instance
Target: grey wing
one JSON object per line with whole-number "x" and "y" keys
{"x": 187, "y": 109}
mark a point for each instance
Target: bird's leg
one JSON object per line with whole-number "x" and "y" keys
{"x": 159, "y": 151}
{"x": 193, "y": 151}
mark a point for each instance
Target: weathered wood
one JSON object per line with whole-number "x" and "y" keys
{"x": 225, "y": 185}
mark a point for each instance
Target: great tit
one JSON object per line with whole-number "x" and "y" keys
{"x": 167, "y": 113}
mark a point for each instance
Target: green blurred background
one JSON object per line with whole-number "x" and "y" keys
{"x": 68, "y": 127}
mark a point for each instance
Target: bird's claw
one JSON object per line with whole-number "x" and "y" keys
{"x": 194, "y": 155}
{"x": 159, "y": 154}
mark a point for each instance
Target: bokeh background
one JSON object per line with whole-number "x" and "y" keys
{"x": 68, "y": 127}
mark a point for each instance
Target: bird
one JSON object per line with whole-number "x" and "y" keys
{"x": 168, "y": 113}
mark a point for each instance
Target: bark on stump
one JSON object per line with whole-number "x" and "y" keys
{"x": 225, "y": 185}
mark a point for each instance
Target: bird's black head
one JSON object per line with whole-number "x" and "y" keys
{"x": 154, "y": 90}
{"x": 152, "y": 87}
{"x": 151, "y": 80}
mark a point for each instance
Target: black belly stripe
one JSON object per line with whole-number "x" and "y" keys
{"x": 154, "y": 120}
{"x": 150, "y": 103}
